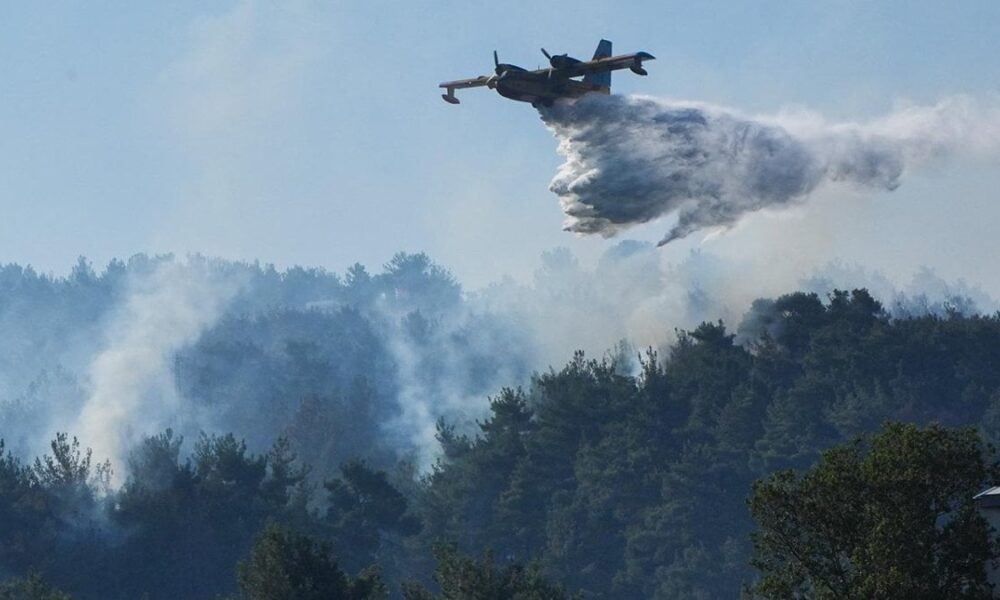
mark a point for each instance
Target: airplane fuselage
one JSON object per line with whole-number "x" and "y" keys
{"x": 541, "y": 90}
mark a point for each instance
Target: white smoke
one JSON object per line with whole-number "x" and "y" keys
{"x": 639, "y": 294}
{"x": 436, "y": 376}
{"x": 630, "y": 160}
{"x": 419, "y": 406}
{"x": 132, "y": 391}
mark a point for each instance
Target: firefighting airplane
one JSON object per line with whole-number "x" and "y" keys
{"x": 542, "y": 87}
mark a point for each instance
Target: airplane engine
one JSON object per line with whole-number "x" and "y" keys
{"x": 561, "y": 61}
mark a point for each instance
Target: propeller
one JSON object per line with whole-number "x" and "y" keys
{"x": 549, "y": 58}
{"x": 503, "y": 69}
{"x": 492, "y": 81}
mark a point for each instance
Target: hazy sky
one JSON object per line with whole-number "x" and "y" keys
{"x": 313, "y": 133}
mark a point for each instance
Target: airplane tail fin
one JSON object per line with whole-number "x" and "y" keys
{"x": 603, "y": 50}
{"x": 601, "y": 79}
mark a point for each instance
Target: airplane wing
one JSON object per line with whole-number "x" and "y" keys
{"x": 611, "y": 63}
{"x": 461, "y": 84}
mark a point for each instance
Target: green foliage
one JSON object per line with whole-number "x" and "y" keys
{"x": 891, "y": 516}
{"x": 363, "y": 508}
{"x": 69, "y": 467}
{"x": 464, "y": 578}
{"x": 32, "y": 587}
{"x": 635, "y": 487}
{"x": 287, "y": 566}
{"x": 216, "y": 502}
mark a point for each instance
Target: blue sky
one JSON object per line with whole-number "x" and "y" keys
{"x": 313, "y": 133}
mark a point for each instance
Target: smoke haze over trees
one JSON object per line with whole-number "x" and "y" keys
{"x": 386, "y": 413}
{"x": 202, "y": 344}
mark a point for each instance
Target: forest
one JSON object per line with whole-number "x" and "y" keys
{"x": 386, "y": 433}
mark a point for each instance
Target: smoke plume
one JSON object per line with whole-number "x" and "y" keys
{"x": 132, "y": 391}
{"x": 630, "y": 159}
